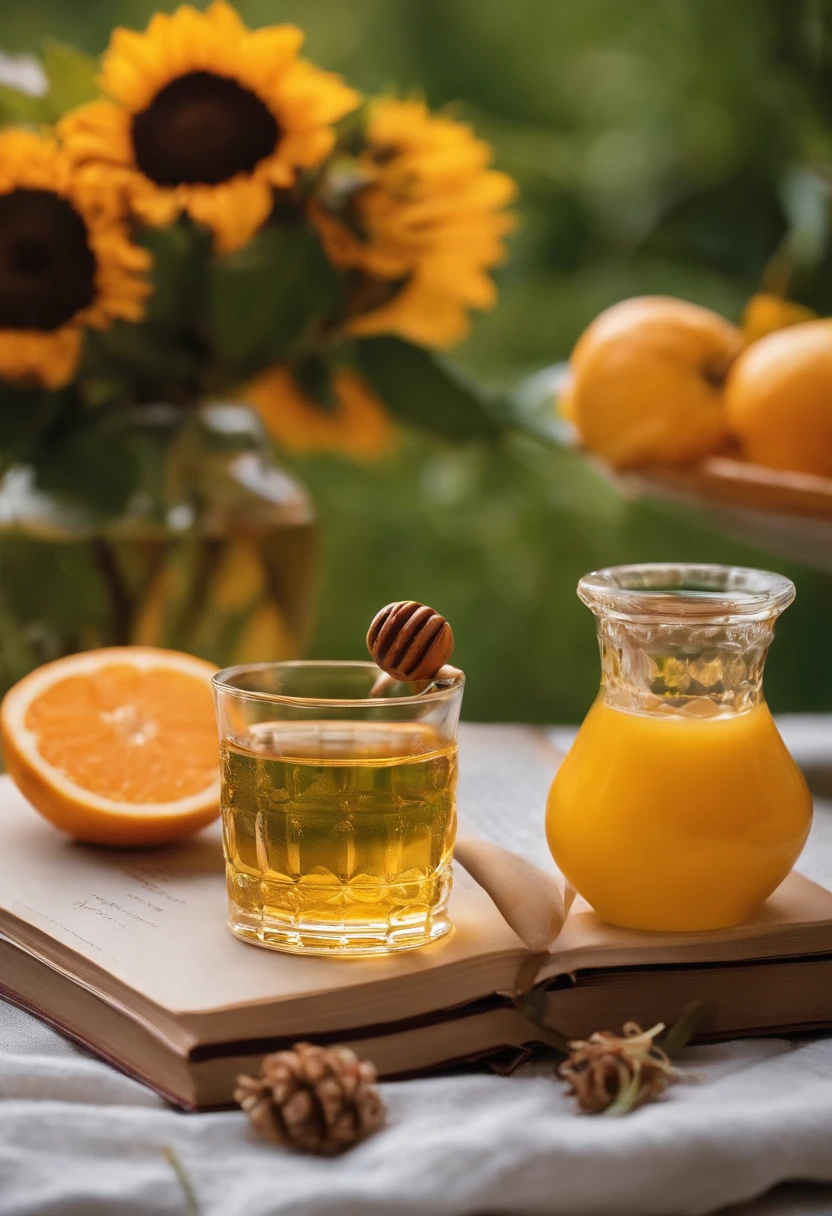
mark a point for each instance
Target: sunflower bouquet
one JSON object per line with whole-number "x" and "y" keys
{"x": 205, "y": 215}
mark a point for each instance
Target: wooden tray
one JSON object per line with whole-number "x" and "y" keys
{"x": 789, "y": 514}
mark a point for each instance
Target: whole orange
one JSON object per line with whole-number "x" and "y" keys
{"x": 778, "y": 399}
{"x": 646, "y": 382}
{"x": 766, "y": 313}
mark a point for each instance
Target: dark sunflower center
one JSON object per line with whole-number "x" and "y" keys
{"x": 383, "y": 154}
{"x": 202, "y": 128}
{"x": 47, "y": 269}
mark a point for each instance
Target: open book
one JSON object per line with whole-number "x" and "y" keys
{"x": 127, "y": 951}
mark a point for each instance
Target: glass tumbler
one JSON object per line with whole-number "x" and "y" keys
{"x": 338, "y": 808}
{"x": 678, "y": 807}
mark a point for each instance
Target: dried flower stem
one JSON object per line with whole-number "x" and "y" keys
{"x": 175, "y": 1161}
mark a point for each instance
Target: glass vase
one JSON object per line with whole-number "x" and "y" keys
{"x": 678, "y": 807}
{"x": 215, "y": 555}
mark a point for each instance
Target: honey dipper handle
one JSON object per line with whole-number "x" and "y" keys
{"x": 384, "y": 681}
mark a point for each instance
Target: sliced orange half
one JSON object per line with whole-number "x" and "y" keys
{"x": 116, "y": 746}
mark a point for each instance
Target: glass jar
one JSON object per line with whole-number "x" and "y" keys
{"x": 678, "y": 807}
{"x": 215, "y": 554}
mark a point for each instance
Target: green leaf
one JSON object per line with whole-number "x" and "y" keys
{"x": 532, "y": 1005}
{"x": 313, "y": 377}
{"x": 25, "y": 416}
{"x": 165, "y": 356}
{"x": 422, "y": 390}
{"x": 265, "y": 297}
{"x": 129, "y": 348}
{"x": 19, "y": 107}
{"x": 147, "y": 360}
{"x": 180, "y": 255}
{"x": 71, "y": 75}
{"x": 96, "y": 468}
{"x": 48, "y": 584}
{"x": 71, "y": 81}
{"x": 677, "y": 1036}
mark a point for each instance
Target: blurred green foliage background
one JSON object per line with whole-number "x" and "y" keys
{"x": 659, "y": 149}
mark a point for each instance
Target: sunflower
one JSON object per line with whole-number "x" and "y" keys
{"x": 425, "y": 225}
{"x": 65, "y": 261}
{"x": 209, "y": 117}
{"x": 357, "y": 425}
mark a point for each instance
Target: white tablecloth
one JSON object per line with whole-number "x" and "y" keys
{"x": 79, "y": 1139}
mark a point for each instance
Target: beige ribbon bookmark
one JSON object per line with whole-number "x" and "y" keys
{"x": 530, "y": 901}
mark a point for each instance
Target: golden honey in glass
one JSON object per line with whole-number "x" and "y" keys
{"x": 339, "y": 811}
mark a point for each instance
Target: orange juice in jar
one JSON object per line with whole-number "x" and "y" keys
{"x": 678, "y": 807}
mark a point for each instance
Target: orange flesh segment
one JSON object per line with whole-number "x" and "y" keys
{"x": 130, "y": 735}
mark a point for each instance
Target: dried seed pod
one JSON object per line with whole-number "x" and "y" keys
{"x": 613, "y": 1074}
{"x": 410, "y": 641}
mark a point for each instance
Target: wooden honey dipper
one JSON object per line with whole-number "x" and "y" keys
{"x": 410, "y": 642}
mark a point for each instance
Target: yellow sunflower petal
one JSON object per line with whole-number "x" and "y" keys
{"x": 32, "y": 357}
{"x": 433, "y": 221}
{"x": 418, "y": 314}
{"x": 306, "y": 151}
{"x": 131, "y": 71}
{"x": 359, "y": 426}
{"x": 158, "y": 208}
{"x": 196, "y": 77}
{"x": 310, "y": 97}
{"x": 81, "y": 206}
{"x": 97, "y": 134}
{"x": 226, "y": 19}
{"x": 268, "y": 51}
{"x": 233, "y": 211}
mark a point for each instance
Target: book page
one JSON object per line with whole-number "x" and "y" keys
{"x": 795, "y": 920}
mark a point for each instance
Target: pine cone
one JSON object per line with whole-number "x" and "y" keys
{"x": 313, "y": 1099}
{"x": 615, "y": 1073}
